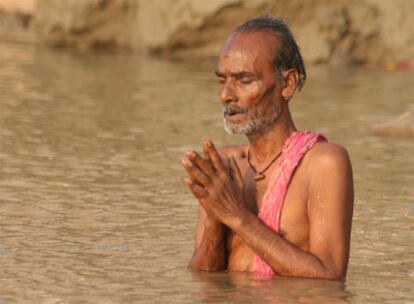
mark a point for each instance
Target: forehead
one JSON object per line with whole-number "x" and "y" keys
{"x": 248, "y": 51}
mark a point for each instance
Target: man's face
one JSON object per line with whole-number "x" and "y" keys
{"x": 249, "y": 89}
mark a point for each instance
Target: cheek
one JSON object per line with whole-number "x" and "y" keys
{"x": 249, "y": 94}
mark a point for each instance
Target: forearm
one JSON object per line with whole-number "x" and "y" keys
{"x": 281, "y": 255}
{"x": 210, "y": 254}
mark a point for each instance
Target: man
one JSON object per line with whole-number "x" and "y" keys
{"x": 281, "y": 205}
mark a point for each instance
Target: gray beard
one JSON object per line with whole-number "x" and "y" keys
{"x": 255, "y": 124}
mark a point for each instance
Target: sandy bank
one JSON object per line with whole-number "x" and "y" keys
{"x": 362, "y": 31}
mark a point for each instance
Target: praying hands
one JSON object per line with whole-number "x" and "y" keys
{"x": 217, "y": 184}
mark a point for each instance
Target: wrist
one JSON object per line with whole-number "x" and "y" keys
{"x": 213, "y": 228}
{"x": 240, "y": 219}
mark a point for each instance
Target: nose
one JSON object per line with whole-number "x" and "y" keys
{"x": 227, "y": 93}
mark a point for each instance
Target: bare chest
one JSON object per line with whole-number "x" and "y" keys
{"x": 294, "y": 225}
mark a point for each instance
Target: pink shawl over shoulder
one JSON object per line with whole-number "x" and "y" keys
{"x": 293, "y": 150}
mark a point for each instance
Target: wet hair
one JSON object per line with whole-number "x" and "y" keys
{"x": 288, "y": 54}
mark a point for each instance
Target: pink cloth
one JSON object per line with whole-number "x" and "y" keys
{"x": 293, "y": 150}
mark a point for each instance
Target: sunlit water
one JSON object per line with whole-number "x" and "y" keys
{"x": 92, "y": 204}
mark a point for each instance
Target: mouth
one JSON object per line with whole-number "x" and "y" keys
{"x": 234, "y": 117}
{"x": 233, "y": 112}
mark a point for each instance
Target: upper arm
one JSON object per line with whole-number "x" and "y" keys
{"x": 330, "y": 207}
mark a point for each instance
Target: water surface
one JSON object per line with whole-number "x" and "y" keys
{"x": 92, "y": 204}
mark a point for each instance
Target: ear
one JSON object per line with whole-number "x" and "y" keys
{"x": 290, "y": 83}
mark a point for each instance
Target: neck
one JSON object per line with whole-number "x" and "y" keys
{"x": 264, "y": 147}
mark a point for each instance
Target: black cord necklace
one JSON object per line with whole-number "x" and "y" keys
{"x": 260, "y": 175}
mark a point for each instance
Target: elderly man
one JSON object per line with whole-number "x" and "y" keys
{"x": 281, "y": 205}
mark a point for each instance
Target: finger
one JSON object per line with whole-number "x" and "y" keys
{"x": 201, "y": 163}
{"x": 214, "y": 156}
{"x": 237, "y": 173}
{"x": 198, "y": 191}
{"x": 195, "y": 173}
{"x": 228, "y": 165}
{"x": 205, "y": 152}
{"x": 207, "y": 157}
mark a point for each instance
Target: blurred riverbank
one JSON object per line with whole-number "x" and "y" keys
{"x": 336, "y": 32}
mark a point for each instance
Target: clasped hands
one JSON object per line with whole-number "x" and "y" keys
{"x": 217, "y": 184}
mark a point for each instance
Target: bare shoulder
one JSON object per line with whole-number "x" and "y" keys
{"x": 329, "y": 171}
{"x": 328, "y": 156}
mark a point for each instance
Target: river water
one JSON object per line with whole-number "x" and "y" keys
{"x": 92, "y": 204}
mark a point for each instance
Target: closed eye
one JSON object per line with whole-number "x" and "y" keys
{"x": 221, "y": 80}
{"x": 246, "y": 80}
{"x": 244, "y": 77}
{"x": 221, "y": 77}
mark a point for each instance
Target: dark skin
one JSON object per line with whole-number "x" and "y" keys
{"x": 316, "y": 217}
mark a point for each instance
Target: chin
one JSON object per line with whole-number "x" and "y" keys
{"x": 257, "y": 126}
{"x": 233, "y": 128}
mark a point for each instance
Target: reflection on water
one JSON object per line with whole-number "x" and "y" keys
{"x": 242, "y": 288}
{"x": 92, "y": 204}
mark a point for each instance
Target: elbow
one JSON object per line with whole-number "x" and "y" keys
{"x": 191, "y": 266}
{"x": 197, "y": 266}
{"x": 333, "y": 275}
{"x": 207, "y": 269}
{"x": 333, "y": 271}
